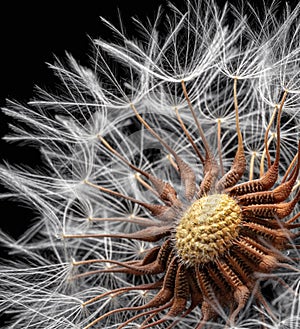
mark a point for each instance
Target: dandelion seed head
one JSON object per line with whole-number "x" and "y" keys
{"x": 170, "y": 195}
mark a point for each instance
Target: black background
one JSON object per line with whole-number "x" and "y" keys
{"x": 30, "y": 36}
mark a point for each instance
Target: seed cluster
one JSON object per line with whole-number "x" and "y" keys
{"x": 207, "y": 228}
{"x": 210, "y": 255}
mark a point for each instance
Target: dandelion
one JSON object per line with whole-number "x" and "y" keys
{"x": 170, "y": 195}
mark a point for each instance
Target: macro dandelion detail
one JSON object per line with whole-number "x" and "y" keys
{"x": 170, "y": 195}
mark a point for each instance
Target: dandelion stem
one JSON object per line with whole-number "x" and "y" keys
{"x": 150, "y": 234}
{"x": 267, "y": 143}
{"x": 88, "y": 261}
{"x": 293, "y": 218}
{"x": 187, "y": 174}
{"x": 289, "y": 168}
{"x": 140, "y": 171}
{"x": 236, "y": 107}
{"x": 220, "y": 148}
{"x": 119, "y": 291}
{"x": 264, "y": 154}
{"x": 251, "y": 169}
{"x": 189, "y": 136}
{"x": 239, "y": 163}
{"x": 201, "y": 132}
{"x": 131, "y": 219}
{"x": 173, "y": 163}
{"x": 157, "y": 210}
{"x": 277, "y": 156}
{"x": 146, "y": 185}
{"x": 153, "y": 132}
{"x": 101, "y": 188}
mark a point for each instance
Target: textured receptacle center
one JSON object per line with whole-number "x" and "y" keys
{"x": 207, "y": 228}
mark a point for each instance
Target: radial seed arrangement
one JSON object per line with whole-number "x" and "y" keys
{"x": 171, "y": 196}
